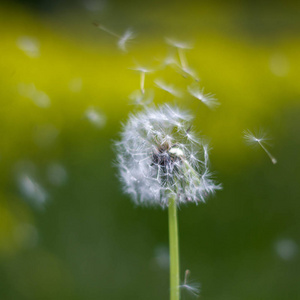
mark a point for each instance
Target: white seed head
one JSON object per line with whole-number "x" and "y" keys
{"x": 159, "y": 157}
{"x": 207, "y": 99}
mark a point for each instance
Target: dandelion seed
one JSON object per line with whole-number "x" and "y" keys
{"x": 156, "y": 159}
{"x": 29, "y": 45}
{"x": 170, "y": 60}
{"x": 168, "y": 88}
{"x": 40, "y": 98}
{"x": 191, "y": 287}
{"x": 138, "y": 98}
{"x": 207, "y": 99}
{"x": 125, "y": 38}
{"x": 162, "y": 257}
{"x": 190, "y": 72}
{"x": 142, "y": 71}
{"x": 180, "y": 46}
{"x": 32, "y": 190}
{"x": 95, "y": 117}
{"x": 260, "y": 140}
{"x": 122, "y": 39}
{"x": 286, "y": 249}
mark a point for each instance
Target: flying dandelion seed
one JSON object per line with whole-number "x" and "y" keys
{"x": 168, "y": 88}
{"x": 32, "y": 191}
{"x": 142, "y": 71}
{"x": 29, "y": 45}
{"x": 207, "y": 99}
{"x": 193, "y": 288}
{"x": 40, "y": 98}
{"x": 138, "y": 98}
{"x": 123, "y": 40}
{"x": 170, "y": 60}
{"x": 180, "y": 46}
{"x": 159, "y": 158}
{"x": 162, "y": 257}
{"x": 259, "y": 139}
{"x": 190, "y": 72}
{"x": 95, "y": 117}
{"x": 286, "y": 249}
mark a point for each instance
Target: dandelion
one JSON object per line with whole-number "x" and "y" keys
{"x": 207, "y": 99}
{"x": 167, "y": 87}
{"x": 259, "y": 139}
{"x": 122, "y": 39}
{"x": 192, "y": 288}
{"x": 162, "y": 163}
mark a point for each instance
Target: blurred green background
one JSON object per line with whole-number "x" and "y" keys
{"x": 66, "y": 229}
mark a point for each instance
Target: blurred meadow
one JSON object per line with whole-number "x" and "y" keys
{"x": 66, "y": 229}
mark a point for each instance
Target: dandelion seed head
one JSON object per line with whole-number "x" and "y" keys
{"x": 157, "y": 158}
{"x": 207, "y": 99}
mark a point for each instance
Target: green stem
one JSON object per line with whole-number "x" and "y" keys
{"x": 174, "y": 250}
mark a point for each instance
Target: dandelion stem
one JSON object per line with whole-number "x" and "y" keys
{"x": 174, "y": 250}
